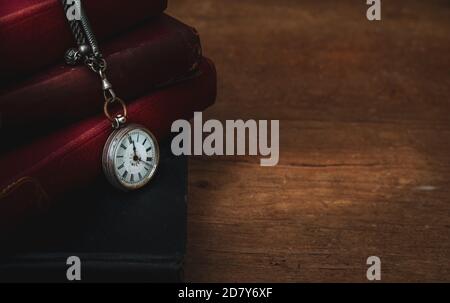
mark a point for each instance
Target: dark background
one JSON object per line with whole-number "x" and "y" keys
{"x": 365, "y": 153}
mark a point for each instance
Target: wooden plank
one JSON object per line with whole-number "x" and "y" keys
{"x": 321, "y": 212}
{"x": 365, "y": 158}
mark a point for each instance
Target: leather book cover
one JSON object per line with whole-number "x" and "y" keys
{"x": 137, "y": 236}
{"x": 34, "y": 176}
{"x": 35, "y": 33}
{"x": 153, "y": 55}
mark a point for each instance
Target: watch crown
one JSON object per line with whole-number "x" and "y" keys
{"x": 119, "y": 120}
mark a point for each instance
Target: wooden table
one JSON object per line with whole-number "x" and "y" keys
{"x": 364, "y": 110}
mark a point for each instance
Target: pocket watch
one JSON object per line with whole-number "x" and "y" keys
{"x": 131, "y": 153}
{"x": 130, "y": 157}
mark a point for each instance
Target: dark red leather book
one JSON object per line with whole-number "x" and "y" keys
{"x": 160, "y": 52}
{"x": 35, "y": 33}
{"x": 32, "y": 177}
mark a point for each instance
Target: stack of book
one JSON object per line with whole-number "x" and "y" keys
{"x": 51, "y": 114}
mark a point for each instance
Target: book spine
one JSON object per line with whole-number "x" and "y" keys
{"x": 32, "y": 177}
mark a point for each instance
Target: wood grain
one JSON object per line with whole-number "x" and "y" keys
{"x": 364, "y": 110}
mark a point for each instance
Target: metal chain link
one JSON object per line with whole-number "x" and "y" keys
{"x": 74, "y": 26}
{"x": 89, "y": 52}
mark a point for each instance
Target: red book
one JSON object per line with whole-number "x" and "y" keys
{"x": 157, "y": 53}
{"x": 32, "y": 177}
{"x": 35, "y": 33}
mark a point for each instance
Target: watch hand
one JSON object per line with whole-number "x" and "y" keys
{"x": 134, "y": 146}
{"x": 140, "y": 160}
{"x": 135, "y": 156}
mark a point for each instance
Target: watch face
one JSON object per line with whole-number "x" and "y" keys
{"x": 132, "y": 158}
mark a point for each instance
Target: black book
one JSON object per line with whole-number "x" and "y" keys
{"x": 118, "y": 237}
